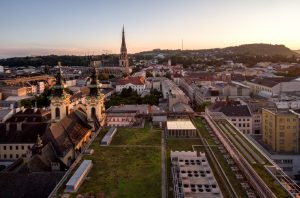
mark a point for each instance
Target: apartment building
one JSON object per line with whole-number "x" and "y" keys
{"x": 280, "y": 130}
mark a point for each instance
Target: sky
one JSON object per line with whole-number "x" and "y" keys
{"x": 35, "y": 27}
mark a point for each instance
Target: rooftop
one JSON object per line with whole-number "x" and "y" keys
{"x": 192, "y": 175}
{"x": 180, "y": 125}
{"x": 138, "y": 80}
{"x": 271, "y": 81}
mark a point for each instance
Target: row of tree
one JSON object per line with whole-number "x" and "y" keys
{"x": 129, "y": 96}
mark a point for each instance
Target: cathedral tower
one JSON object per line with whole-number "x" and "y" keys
{"x": 123, "y": 61}
{"x": 60, "y": 100}
{"x": 95, "y": 100}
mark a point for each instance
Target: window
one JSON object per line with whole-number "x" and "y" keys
{"x": 281, "y": 141}
{"x": 281, "y": 134}
{"x": 22, "y": 147}
{"x": 67, "y": 110}
{"x": 10, "y": 156}
{"x": 5, "y": 156}
{"x": 93, "y": 111}
{"x": 57, "y": 113}
{"x": 28, "y": 147}
{"x": 4, "y": 147}
{"x": 17, "y": 156}
{"x": 10, "y": 147}
{"x": 17, "y": 147}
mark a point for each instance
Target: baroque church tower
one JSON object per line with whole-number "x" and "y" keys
{"x": 60, "y": 100}
{"x": 95, "y": 100}
{"x": 123, "y": 61}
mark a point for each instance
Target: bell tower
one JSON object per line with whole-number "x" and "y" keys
{"x": 60, "y": 100}
{"x": 123, "y": 61}
{"x": 95, "y": 100}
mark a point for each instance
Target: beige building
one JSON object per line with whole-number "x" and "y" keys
{"x": 19, "y": 133}
{"x": 280, "y": 130}
{"x": 13, "y": 91}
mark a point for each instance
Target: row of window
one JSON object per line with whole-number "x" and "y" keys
{"x": 284, "y": 161}
{"x": 240, "y": 119}
{"x": 242, "y": 125}
{"x": 16, "y": 147}
{"x": 11, "y": 156}
{"x": 288, "y": 127}
{"x": 287, "y": 119}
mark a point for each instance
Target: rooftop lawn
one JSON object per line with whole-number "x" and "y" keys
{"x": 276, "y": 188}
{"x": 225, "y": 166}
{"x": 125, "y": 171}
{"x": 137, "y": 136}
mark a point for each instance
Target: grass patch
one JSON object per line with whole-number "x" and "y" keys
{"x": 125, "y": 171}
{"x": 246, "y": 141}
{"x": 276, "y": 188}
{"x": 137, "y": 136}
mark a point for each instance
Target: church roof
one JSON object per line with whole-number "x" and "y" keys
{"x": 138, "y": 80}
{"x": 68, "y": 131}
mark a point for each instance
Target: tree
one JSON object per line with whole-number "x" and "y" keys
{"x": 168, "y": 75}
{"x": 149, "y": 74}
{"x": 26, "y": 103}
{"x": 201, "y": 108}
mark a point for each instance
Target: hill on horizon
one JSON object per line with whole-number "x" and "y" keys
{"x": 251, "y": 49}
{"x": 262, "y": 49}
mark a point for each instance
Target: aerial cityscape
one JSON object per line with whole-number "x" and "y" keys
{"x": 149, "y": 99}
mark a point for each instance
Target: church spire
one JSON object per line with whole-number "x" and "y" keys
{"x": 58, "y": 88}
{"x": 94, "y": 86}
{"x": 123, "y": 61}
{"x": 123, "y": 45}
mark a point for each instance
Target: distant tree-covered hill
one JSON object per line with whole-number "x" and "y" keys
{"x": 186, "y": 57}
{"x": 262, "y": 49}
{"x": 53, "y": 60}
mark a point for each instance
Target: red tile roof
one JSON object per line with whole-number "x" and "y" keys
{"x": 139, "y": 80}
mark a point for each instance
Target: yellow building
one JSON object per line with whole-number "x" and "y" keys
{"x": 280, "y": 130}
